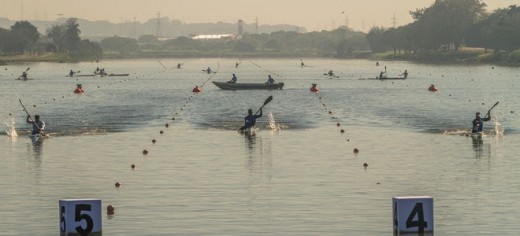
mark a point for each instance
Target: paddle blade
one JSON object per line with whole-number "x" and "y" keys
{"x": 268, "y": 100}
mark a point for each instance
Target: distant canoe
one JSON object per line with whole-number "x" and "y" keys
{"x": 247, "y": 86}
{"x": 92, "y": 75}
{"x": 390, "y": 78}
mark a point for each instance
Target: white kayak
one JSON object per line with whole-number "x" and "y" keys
{"x": 37, "y": 137}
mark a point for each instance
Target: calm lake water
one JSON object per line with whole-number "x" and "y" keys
{"x": 203, "y": 178}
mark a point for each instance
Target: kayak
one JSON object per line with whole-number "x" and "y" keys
{"x": 37, "y": 137}
{"x": 247, "y": 86}
{"x": 249, "y": 132}
{"x": 112, "y": 74}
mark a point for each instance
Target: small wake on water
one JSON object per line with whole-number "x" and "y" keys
{"x": 273, "y": 126}
{"x": 497, "y": 130}
{"x": 10, "y": 129}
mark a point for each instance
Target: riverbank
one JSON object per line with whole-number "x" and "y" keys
{"x": 463, "y": 56}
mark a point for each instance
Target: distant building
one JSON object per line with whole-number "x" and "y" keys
{"x": 215, "y": 36}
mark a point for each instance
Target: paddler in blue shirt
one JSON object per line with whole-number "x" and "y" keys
{"x": 478, "y": 122}
{"x": 37, "y": 124}
{"x": 250, "y": 119}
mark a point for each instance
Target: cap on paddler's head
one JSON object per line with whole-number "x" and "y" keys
{"x": 478, "y": 113}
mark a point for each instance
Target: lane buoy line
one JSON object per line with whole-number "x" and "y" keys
{"x": 178, "y": 113}
{"x": 45, "y": 102}
{"x": 323, "y": 106}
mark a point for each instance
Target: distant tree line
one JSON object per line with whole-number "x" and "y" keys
{"x": 450, "y": 24}
{"x": 342, "y": 42}
{"x": 23, "y": 37}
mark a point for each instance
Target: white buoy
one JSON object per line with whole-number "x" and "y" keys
{"x": 413, "y": 214}
{"x": 80, "y": 216}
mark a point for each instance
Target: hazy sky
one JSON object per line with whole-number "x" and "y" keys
{"x": 311, "y": 14}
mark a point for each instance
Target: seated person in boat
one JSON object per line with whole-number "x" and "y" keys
{"x": 179, "y": 66}
{"x": 381, "y": 75}
{"x": 23, "y": 76}
{"x": 250, "y": 119}
{"x": 208, "y": 70}
{"x": 37, "y": 124}
{"x": 233, "y": 79}
{"x": 405, "y": 74}
{"x": 478, "y": 122}
{"x": 270, "y": 80}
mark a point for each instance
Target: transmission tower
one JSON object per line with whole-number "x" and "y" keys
{"x": 158, "y": 29}
{"x": 394, "y": 21}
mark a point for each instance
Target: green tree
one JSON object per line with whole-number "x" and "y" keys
{"x": 25, "y": 35}
{"x": 72, "y": 32}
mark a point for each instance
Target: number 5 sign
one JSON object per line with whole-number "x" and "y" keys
{"x": 412, "y": 214}
{"x": 80, "y": 216}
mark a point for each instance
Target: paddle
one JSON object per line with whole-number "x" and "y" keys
{"x": 29, "y": 115}
{"x": 489, "y": 111}
{"x": 268, "y": 100}
{"x": 487, "y": 114}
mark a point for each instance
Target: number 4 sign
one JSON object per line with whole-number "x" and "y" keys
{"x": 80, "y": 216}
{"x": 412, "y": 214}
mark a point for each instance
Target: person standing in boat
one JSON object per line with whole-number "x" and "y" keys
{"x": 233, "y": 79}
{"x": 250, "y": 119}
{"x": 208, "y": 70}
{"x": 478, "y": 122}
{"x": 270, "y": 80}
{"x": 37, "y": 124}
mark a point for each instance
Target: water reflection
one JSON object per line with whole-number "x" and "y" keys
{"x": 37, "y": 147}
{"x": 481, "y": 149}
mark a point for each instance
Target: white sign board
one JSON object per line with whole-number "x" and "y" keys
{"x": 80, "y": 216}
{"x": 412, "y": 214}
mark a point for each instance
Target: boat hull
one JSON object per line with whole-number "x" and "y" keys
{"x": 248, "y": 86}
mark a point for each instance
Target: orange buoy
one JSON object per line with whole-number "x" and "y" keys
{"x": 117, "y": 184}
{"x": 314, "y": 88}
{"x": 197, "y": 89}
{"x": 133, "y": 166}
{"x": 356, "y": 150}
{"x": 154, "y": 141}
{"x": 79, "y": 89}
{"x": 432, "y": 88}
{"x": 145, "y": 152}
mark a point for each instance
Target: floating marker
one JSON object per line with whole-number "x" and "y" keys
{"x": 356, "y": 150}
{"x": 412, "y": 214}
{"x": 145, "y": 152}
{"x": 117, "y": 184}
{"x": 80, "y": 216}
{"x": 110, "y": 210}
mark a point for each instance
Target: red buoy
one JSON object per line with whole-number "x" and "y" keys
{"x": 314, "y": 88}
{"x": 197, "y": 89}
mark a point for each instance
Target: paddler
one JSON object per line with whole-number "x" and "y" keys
{"x": 478, "y": 122}
{"x": 250, "y": 119}
{"x": 37, "y": 124}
